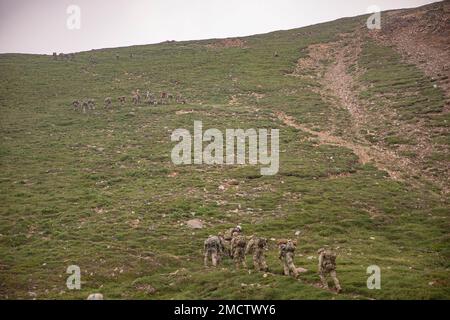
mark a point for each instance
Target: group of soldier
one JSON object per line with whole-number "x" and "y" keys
{"x": 235, "y": 245}
{"x": 86, "y": 104}
{"x": 152, "y": 99}
{"x": 64, "y": 56}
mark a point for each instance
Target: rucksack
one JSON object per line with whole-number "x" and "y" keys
{"x": 240, "y": 241}
{"x": 329, "y": 260}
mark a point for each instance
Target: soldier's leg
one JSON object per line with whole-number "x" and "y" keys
{"x": 235, "y": 256}
{"x": 293, "y": 270}
{"x": 263, "y": 264}
{"x": 256, "y": 261}
{"x": 219, "y": 257}
{"x": 205, "y": 258}
{"x": 228, "y": 249}
{"x": 323, "y": 279}
{"x": 242, "y": 257}
{"x": 214, "y": 258}
{"x": 286, "y": 268}
{"x": 336, "y": 280}
{"x": 244, "y": 263}
{"x": 291, "y": 266}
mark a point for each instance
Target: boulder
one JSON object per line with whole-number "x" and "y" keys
{"x": 95, "y": 296}
{"x": 195, "y": 224}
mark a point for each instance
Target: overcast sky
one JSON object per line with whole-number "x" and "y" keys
{"x": 40, "y": 26}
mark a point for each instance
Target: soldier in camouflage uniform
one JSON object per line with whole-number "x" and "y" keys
{"x": 287, "y": 250}
{"x": 229, "y": 234}
{"x": 214, "y": 248}
{"x": 238, "y": 244}
{"x": 257, "y": 246}
{"x": 327, "y": 265}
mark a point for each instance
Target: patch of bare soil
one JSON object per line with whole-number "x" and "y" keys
{"x": 228, "y": 43}
{"x": 422, "y": 36}
{"x": 235, "y": 98}
{"x": 316, "y": 53}
{"x": 339, "y": 88}
{"x": 182, "y": 112}
{"x": 365, "y": 154}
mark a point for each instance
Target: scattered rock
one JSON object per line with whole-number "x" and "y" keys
{"x": 95, "y": 296}
{"x": 195, "y": 224}
{"x": 179, "y": 272}
{"x": 148, "y": 289}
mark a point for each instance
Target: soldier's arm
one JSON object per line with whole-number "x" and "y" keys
{"x": 320, "y": 262}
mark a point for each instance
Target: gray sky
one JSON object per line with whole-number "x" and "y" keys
{"x": 40, "y": 26}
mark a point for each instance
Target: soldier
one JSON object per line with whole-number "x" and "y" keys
{"x": 213, "y": 247}
{"x": 91, "y": 104}
{"x": 327, "y": 265}
{"x": 180, "y": 100}
{"x": 238, "y": 244}
{"x": 122, "y": 99}
{"x": 107, "y": 102}
{"x": 136, "y": 97}
{"x": 257, "y": 246}
{"x": 229, "y": 236}
{"x": 84, "y": 106}
{"x": 76, "y": 104}
{"x": 287, "y": 250}
{"x": 149, "y": 98}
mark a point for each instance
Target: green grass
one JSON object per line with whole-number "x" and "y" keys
{"x": 93, "y": 190}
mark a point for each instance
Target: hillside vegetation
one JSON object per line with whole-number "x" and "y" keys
{"x": 363, "y": 165}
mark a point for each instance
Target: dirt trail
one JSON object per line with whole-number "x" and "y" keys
{"x": 365, "y": 154}
{"x": 340, "y": 83}
{"x": 337, "y": 82}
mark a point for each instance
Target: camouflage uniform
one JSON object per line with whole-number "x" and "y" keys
{"x": 229, "y": 234}
{"x": 213, "y": 247}
{"x": 257, "y": 246}
{"x": 238, "y": 244}
{"x": 327, "y": 265}
{"x": 286, "y": 256}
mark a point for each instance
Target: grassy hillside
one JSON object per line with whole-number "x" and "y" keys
{"x": 99, "y": 190}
